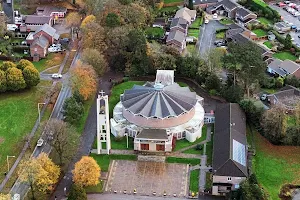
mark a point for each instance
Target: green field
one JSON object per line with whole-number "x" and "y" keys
{"x": 192, "y": 161}
{"x": 264, "y": 21}
{"x": 172, "y": 1}
{"x": 197, "y": 23}
{"x": 194, "y": 180}
{"x": 18, "y": 114}
{"x": 193, "y": 32}
{"x": 104, "y": 160}
{"x": 184, "y": 143}
{"x": 268, "y": 44}
{"x": 260, "y": 32}
{"x": 154, "y": 32}
{"x": 285, "y": 56}
{"x": 275, "y": 165}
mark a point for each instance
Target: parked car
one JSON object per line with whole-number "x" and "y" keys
{"x": 215, "y": 16}
{"x": 281, "y": 4}
{"x": 217, "y": 42}
{"x": 24, "y": 43}
{"x": 11, "y": 27}
{"x": 296, "y": 14}
{"x": 287, "y": 2}
{"x": 263, "y": 97}
{"x": 40, "y": 142}
{"x": 221, "y": 44}
{"x": 26, "y": 52}
{"x": 56, "y": 75}
{"x": 206, "y": 21}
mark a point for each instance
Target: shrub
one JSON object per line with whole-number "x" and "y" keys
{"x": 24, "y": 63}
{"x": 212, "y": 92}
{"x": 3, "y": 84}
{"x": 77, "y": 193}
{"x": 15, "y": 79}
{"x": 31, "y": 76}
{"x": 292, "y": 80}
{"x": 125, "y": 79}
{"x": 199, "y": 147}
{"x": 221, "y": 30}
{"x": 267, "y": 82}
{"x": 279, "y": 82}
{"x": 72, "y": 110}
{"x": 212, "y": 82}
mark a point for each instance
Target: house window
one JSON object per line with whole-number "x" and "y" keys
{"x": 35, "y": 49}
{"x": 144, "y": 146}
{"x": 228, "y": 178}
{"x": 160, "y": 147}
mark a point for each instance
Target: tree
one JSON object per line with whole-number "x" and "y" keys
{"x": 214, "y": 59}
{"x": 31, "y": 76}
{"x": 3, "y": 82}
{"x": 63, "y": 138}
{"x": 94, "y": 37}
{"x": 72, "y": 110}
{"x": 3, "y": 19}
{"x": 5, "y": 196}
{"x": 191, "y": 4}
{"x": 292, "y": 80}
{"x": 288, "y": 42}
{"x": 274, "y": 124}
{"x": 24, "y": 63}
{"x": 77, "y": 193}
{"x": 15, "y": 79}
{"x": 213, "y": 82}
{"x": 135, "y": 15}
{"x": 112, "y": 20}
{"x": 84, "y": 79}
{"x": 94, "y": 58}
{"x": 253, "y": 112}
{"x": 73, "y": 19}
{"x": 88, "y": 19}
{"x": 6, "y": 65}
{"x": 86, "y": 172}
{"x": 293, "y": 136}
{"x": 233, "y": 93}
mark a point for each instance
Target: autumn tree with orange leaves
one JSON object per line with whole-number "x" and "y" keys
{"x": 84, "y": 80}
{"x": 86, "y": 172}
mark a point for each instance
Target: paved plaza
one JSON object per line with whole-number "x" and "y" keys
{"x": 148, "y": 177}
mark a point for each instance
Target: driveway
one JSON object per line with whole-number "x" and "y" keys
{"x": 61, "y": 27}
{"x": 208, "y": 35}
{"x": 290, "y": 18}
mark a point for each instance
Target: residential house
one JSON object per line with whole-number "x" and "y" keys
{"x": 203, "y": 3}
{"x": 187, "y": 14}
{"x": 284, "y": 68}
{"x": 31, "y": 23}
{"x": 52, "y": 11}
{"x": 230, "y": 166}
{"x": 288, "y": 97}
{"x": 177, "y": 40}
{"x": 226, "y": 7}
{"x": 37, "y": 40}
{"x": 282, "y": 27}
{"x": 243, "y": 16}
{"x": 179, "y": 24}
{"x": 159, "y": 23}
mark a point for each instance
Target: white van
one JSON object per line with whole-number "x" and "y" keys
{"x": 11, "y": 27}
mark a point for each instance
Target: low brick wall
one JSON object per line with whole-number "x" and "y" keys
{"x": 150, "y": 158}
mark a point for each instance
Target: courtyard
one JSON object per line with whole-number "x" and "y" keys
{"x": 148, "y": 177}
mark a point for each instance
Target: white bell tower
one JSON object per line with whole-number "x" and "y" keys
{"x": 103, "y": 129}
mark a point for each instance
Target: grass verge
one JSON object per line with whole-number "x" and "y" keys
{"x": 104, "y": 160}
{"x": 220, "y": 35}
{"x": 226, "y": 21}
{"x": 192, "y": 161}
{"x": 95, "y": 188}
{"x": 194, "y": 180}
{"x": 208, "y": 183}
{"x": 193, "y": 32}
{"x": 197, "y": 23}
{"x": 51, "y": 60}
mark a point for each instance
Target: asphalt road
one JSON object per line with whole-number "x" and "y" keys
{"x": 132, "y": 197}
{"x": 208, "y": 35}
{"x": 290, "y": 18}
{"x": 8, "y": 10}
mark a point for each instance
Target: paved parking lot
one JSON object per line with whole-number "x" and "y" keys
{"x": 148, "y": 177}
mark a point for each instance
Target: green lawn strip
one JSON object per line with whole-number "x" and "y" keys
{"x": 194, "y": 180}
{"x": 209, "y": 150}
{"x": 194, "y": 151}
{"x": 95, "y": 188}
{"x": 154, "y": 32}
{"x": 184, "y": 143}
{"x": 117, "y": 90}
{"x": 104, "y": 160}
{"x": 86, "y": 105}
{"x": 197, "y": 23}
{"x": 268, "y": 44}
{"x": 269, "y": 90}
{"x": 260, "y": 2}
{"x": 285, "y": 56}
{"x": 192, "y": 161}
{"x": 172, "y": 1}
{"x": 260, "y": 32}
{"x": 220, "y": 35}
{"x": 226, "y": 21}
{"x": 18, "y": 114}
{"x": 208, "y": 183}
{"x": 121, "y": 143}
{"x": 169, "y": 9}
{"x": 264, "y": 21}
{"x": 193, "y": 32}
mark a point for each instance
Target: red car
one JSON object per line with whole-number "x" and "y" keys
{"x": 281, "y": 4}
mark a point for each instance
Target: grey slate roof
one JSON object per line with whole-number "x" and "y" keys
{"x": 285, "y": 67}
{"x": 47, "y": 10}
{"x": 158, "y": 101}
{"x": 199, "y": 2}
{"x": 230, "y": 124}
{"x": 159, "y": 134}
{"x": 230, "y": 5}
{"x": 243, "y": 12}
{"x": 35, "y": 19}
{"x": 176, "y": 35}
{"x": 41, "y": 41}
{"x": 180, "y": 22}
{"x": 49, "y": 30}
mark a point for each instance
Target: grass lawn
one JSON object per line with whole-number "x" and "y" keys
{"x": 121, "y": 143}
{"x": 285, "y": 56}
{"x": 169, "y": 9}
{"x": 104, "y": 160}
{"x": 268, "y": 44}
{"x": 95, "y": 189}
{"x": 117, "y": 90}
{"x": 275, "y": 165}
{"x": 172, "y": 1}
{"x": 184, "y": 143}
{"x": 18, "y": 114}
{"x": 260, "y": 32}
{"x": 208, "y": 183}
{"x": 197, "y": 23}
{"x": 220, "y": 35}
{"x": 191, "y": 48}
{"x": 51, "y": 60}
{"x": 264, "y": 21}
{"x": 154, "y": 32}
{"x": 192, "y": 161}
{"x": 194, "y": 180}
{"x": 193, "y": 32}
{"x": 86, "y": 106}
{"x": 194, "y": 151}
{"x": 261, "y": 2}
{"x": 226, "y": 21}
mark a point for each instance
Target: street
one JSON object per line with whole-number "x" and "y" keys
{"x": 8, "y": 10}
{"x": 208, "y": 35}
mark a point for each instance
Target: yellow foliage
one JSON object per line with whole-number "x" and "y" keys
{"x": 160, "y": 5}
{"x": 73, "y": 19}
{"x": 88, "y": 19}
{"x": 5, "y": 196}
{"x": 86, "y": 172}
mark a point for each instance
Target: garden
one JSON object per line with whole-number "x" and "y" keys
{"x": 268, "y": 44}
{"x": 285, "y": 55}
{"x": 193, "y": 32}
{"x": 154, "y": 32}
{"x": 226, "y": 21}
{"x": 260, "y": 32}
{"x": 197, "y": 23}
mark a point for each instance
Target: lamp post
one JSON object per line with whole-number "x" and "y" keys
{"x": 40, "y": 111}
{"x": 126, "y": 134}
{"x": 8, "y": 162}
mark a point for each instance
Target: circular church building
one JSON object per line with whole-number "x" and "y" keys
{"x": 158, "y": 113}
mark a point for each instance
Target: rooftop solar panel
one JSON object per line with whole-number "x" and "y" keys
{"x": 239, "y": 152}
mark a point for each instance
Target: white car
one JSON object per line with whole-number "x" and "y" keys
{"x": 206, "y": 21}
{"x": 56, "y": 75}
{"x": 297, "y": 14}
{"x": 11, "y": 27}
{"x": 215, "y": 16}
{"x": 40, "y": 142}
{"x": 263, "y": 97}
